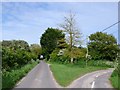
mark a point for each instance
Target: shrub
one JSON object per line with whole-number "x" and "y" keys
{"x": 115, "y": 79}
{"x": 9, "y": 79}
{"x": 102, "y": 63}
{"x": 54, "y": 57}
{"x": 15, "y": 59}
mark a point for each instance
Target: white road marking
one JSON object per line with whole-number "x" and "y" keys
{"x": 96, "y": 76}
{"x": 105, "y": 72}
{"x": 93, "y": 84}
{"x": 38, "y": 80}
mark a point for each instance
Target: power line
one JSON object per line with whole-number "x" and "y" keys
{"x": 106, "y": 29}
{"x": 110, "y": 26}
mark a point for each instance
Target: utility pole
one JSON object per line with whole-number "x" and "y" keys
{"x": 87, "y": 46}
{"x": 87, "y": 56}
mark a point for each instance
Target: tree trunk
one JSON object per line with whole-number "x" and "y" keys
{"x": 71, "y": 60}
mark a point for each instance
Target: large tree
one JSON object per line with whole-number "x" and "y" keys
{"x": 72, "y": 32}
{"x": 36, "y": 49}
{"x": 49, "y": 41}
{"x": 62, "y": 44}
{"x": 103, "y": 46}
{"x": 16, "y": 44}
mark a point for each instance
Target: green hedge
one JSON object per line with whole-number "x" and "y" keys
{"x": 15, "y": 58}
{"x": 102, "y": 63}
{"x": 115, "y": 79}
{"x": 9, "y": 79}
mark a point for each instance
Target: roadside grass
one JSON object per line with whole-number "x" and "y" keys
{"x": 114, "y": 81}
{"x": 9, "y": 79}
{"x": 66, "y": 73}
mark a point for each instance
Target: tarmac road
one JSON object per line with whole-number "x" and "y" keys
{"x": 39, "y": 77}
{"x": 97, "y": 79}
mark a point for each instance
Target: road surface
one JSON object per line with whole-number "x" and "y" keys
{"x": 97, "y": 79}
{"x": 39, "y": 77}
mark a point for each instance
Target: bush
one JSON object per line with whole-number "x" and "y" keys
{"x": 115, "y": 73}
{"x": 15, "y": 59}
{"x": 102, "y": 63}
{"x": 54, "y": 57}
{"x": 80, "y": 62}
{"x": 115, "y": 79}
{"x": 9, "y": 79}
{"x": 99, "y": 63}
{"x": 15, "y": 56}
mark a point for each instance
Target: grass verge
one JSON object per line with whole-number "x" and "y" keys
{"x": 114, "y": 81}
{"x": 65, "y": 74}
{"x": 9, "y": 79}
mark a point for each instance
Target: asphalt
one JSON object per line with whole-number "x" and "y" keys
{"x": 97, "y": 79}
{"x": 39, "y": 77}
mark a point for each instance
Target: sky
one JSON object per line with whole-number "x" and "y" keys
{"x": 29, "y": 20}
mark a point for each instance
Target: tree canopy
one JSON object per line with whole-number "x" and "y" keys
{"x": 15, "y": 44}
{"x": 71, "y": 30}
{"x": 15, "y": 54}
{"x": 102, "y": 46}
{"x": 36, "y": 49}
{"x": 49, "y": 40}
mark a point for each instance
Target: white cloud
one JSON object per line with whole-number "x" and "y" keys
{"x": 29, "y": 21}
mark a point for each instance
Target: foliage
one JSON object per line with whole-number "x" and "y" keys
{"x": 62, "y": 44}
{"x": 36, "y": 49}
{"x": 69, "y": 26}
{"x": 54, "y": 57}
{"x": 49, "y": 41}
{"x": 65, "y": 58}
{"x": 9, "y": 79}
{"x": 115, "y": 79}
{"x": 102, "y": 46}
{"x": 15, "y": 54}
{"x": 14, "y": 59}
{"x": 101, "y": 63}
{"x": 73, "y": 35}
{"x": 16, "y": 44}
{"x": 17, "y": 60}
{"x": 76, "y": 53}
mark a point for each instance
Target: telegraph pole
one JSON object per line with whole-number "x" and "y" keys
{"x": 87, "y": 50}
{"x": 87, "y": 46}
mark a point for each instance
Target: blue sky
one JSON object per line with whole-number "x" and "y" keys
{"x": 29, "y": 20}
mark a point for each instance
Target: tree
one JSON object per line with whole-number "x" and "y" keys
{"x": 49, "y": 41}
{"x": 103, "y": 46}
{"x": 15, "y": 44}
{"x": 62, "y": 44}
{"x": 72, "y": 32}
{"x": 36, "y": 49}
{"x": 15, "y": 53}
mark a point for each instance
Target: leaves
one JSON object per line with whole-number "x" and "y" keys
{"x": 14, "y": 57}
{"x": 102, "y": 46}
{"x": 49, "y": 40}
